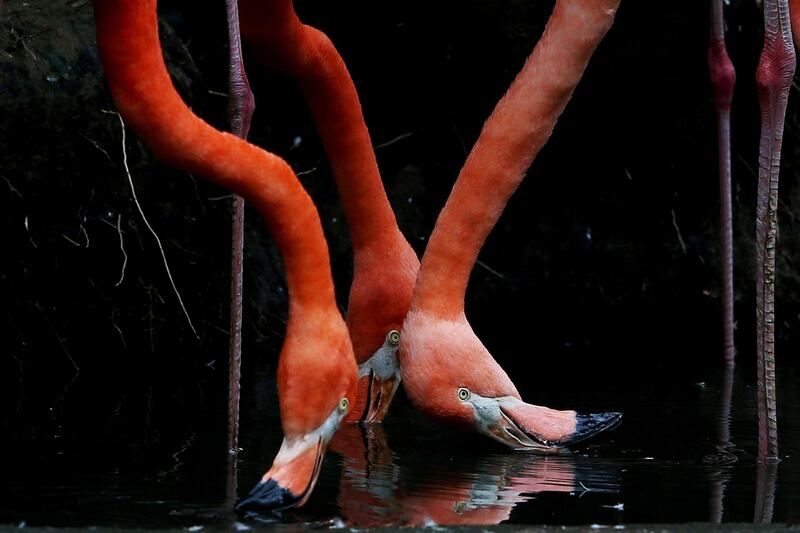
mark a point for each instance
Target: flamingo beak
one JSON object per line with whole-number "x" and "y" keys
{"x": 289, "y": 482}
{"x": 381, "y": 393}
{"x": 509, "y": 433}
{"x": 524, "y": 426}
{"x": 591, "y": 424}
{"x": 295, "y": 469}
{"x": 378, "y": 380}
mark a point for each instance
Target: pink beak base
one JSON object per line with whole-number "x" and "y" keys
{"x": 554, "y": 431}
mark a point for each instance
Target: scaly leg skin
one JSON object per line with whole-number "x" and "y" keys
{"x": 723, "y": 79}
{"x": 240, "y": 113}
{"x": 774, "y": 76}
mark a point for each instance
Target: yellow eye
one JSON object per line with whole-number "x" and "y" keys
{"x": 463, "y": 394}
{"x": 344, "y": 403}
{"x": 394, "y": 337}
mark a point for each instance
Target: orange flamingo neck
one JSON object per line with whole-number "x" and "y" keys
{"x": 512, "y": 136}
{"x": 127, "y": 35}
{"x": 282, "y": 41}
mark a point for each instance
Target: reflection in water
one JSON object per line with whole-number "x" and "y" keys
{"x": 674, "y": 452}
{"x": 766, "y": 476}
{"x": 375, "y": 491}
{"x": 721, "y": 476}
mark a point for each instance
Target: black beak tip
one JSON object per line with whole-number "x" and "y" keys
{"x": 266, "y": 497}
{"x": 589, "y": 425}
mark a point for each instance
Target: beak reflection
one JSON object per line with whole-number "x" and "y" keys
{"x": 380, "y": 488}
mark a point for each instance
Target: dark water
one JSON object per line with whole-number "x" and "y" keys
{"x": 685, "y": 452}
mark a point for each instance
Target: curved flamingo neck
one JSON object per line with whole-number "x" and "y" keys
{"x": 127, "y": 36}
{"x": 283, "y": 42}
{"x": 512, "y": 136}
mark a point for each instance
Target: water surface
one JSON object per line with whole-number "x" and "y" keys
{"x": 684, "y": 453}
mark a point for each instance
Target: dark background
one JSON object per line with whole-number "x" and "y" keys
{"x": 602, "y": 272}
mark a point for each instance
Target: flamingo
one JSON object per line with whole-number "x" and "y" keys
{"x": 448, "y": 373}
{"x": 385, "y": 265}
{"x": 317, "y": 370}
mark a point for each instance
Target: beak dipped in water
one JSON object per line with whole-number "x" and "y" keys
{"x": 520, "y": 425}
{"x": 290, "y": 480}
{"x": 295, "y": 469}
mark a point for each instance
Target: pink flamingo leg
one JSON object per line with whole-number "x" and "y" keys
{"x": 774, "y": 76}
{"x": 240, "y": 112}
{"x": 241, "y": 105}
{"x": 723, "y": 78}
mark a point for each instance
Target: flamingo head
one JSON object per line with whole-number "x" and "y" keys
{"x": 450, "y": 376}
{"x": 316, "y": 388}
{"x": 383, "y": 286}
{"x": 378, "y": 379}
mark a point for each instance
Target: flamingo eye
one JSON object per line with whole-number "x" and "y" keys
{"x": 344, "y": 403}
{"x": 394, "y": 337}
{"x": 463, "y": 394}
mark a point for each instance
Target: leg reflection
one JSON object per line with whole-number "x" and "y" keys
{"x": 721, "y": 475}
{"x": 766, "y": 476}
